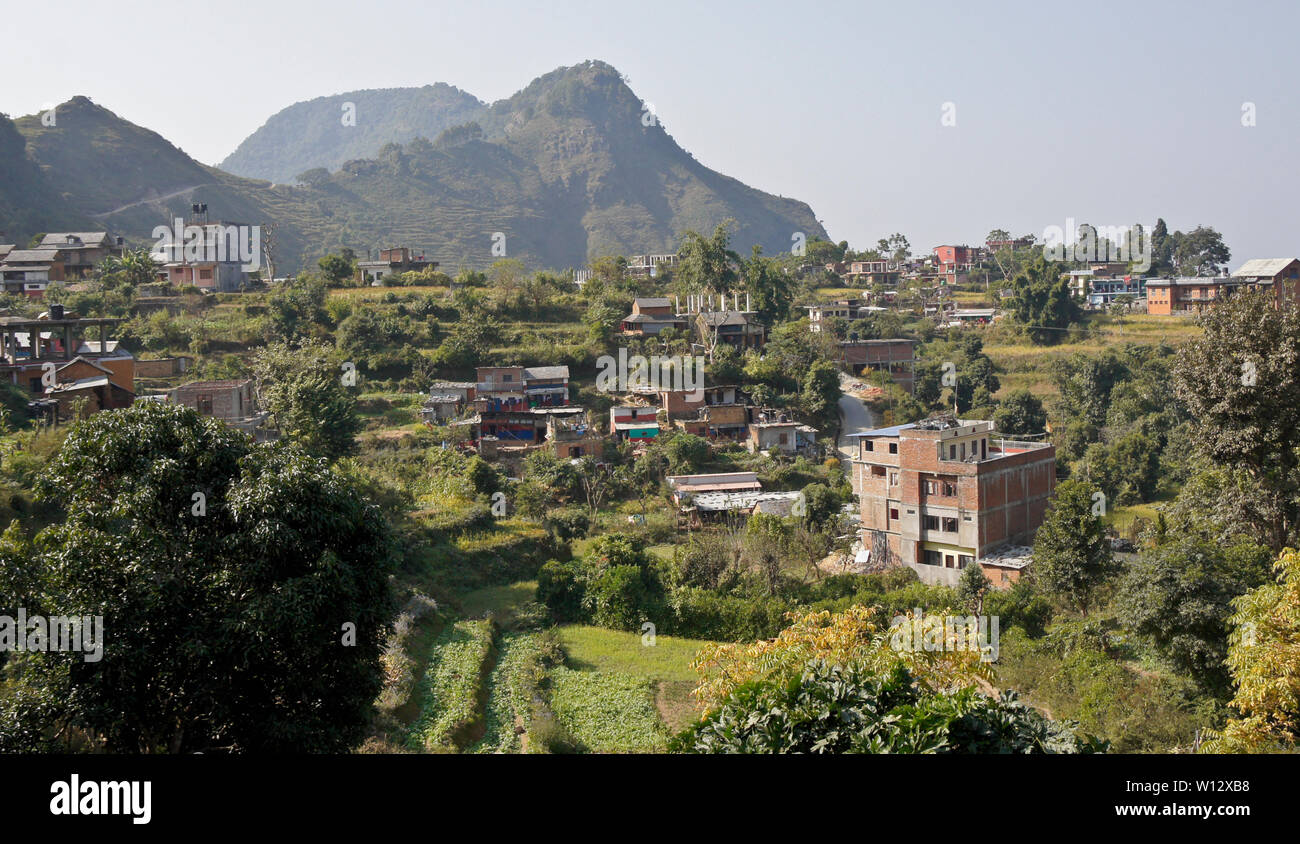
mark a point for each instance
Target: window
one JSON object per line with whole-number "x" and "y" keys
{"x": 507, "y": 377}
{"x": 964, "y": 560}
{"x": 950, "y": 525}
{"x": 893, "y": 514}
{"x": 893, "y": 479}
{"x": 949, "y": 562}
{"x": 931, "y": 558}
{"x": 930, "y": 522}
{"x": 893, "y": 448}
{"x": 949, "y": 488}
{"x": 868, "y": 445}
{"x": 931, "y": 488}
{"x": 203, "y": 404}
{"x": 952, "y": 452}
{"x": 963, "y": 451}
{"x": 878, "y": 471}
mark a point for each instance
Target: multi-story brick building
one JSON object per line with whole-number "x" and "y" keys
{"x": 1280, "y": 277}
{"x": 940, "y": 494}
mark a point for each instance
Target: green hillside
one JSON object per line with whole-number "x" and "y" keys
{"x": 565, "y": 170}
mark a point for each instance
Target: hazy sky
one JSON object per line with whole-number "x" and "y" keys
{"x": 1110, "y": 113}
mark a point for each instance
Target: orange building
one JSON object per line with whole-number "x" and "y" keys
{"x": 1279, "y": 276}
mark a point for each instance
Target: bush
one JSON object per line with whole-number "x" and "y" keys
{"x": 847, "y": 709}
{"x": 560, "y": 587}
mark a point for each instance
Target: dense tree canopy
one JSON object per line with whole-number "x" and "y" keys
{"x": 243, "y": 591}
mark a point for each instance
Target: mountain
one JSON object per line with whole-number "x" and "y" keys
{"x": 564, "y": 170}
{"x": 327, "y": 131}
{"x": 29, "y": 204}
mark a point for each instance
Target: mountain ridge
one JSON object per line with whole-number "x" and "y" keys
{"x": 566, "y": 169}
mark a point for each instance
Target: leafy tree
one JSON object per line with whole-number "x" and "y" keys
{"x": 1263, "y": 655}
{"x": 296, "y": 306}
{"x": 602, "y": 322}
{"x": 849, "y": 637}
{"x": 972, "y": 585}
{"x": 820, "y": 395}
{"x": 1072, "y": 556}
{"x": 1179, "y": 595}
{"x": 1200, "y": 252}
{"x": 337, "y": 270}
{"x": 686, "y": 453}
{"x": 772, "y": 290}
{"x": 1085, "y": 383}
{"x": 849, "y": 709}
{"x": 302, "y": 388}
{"x": 1020, "y": 413}
{"x": 243, "y": 591}
{"x": 1241, "y": 386}
{"x": 708, "y": 263}
{"x": 1127, "y": 470}
{"x": 1042, "y": 302}
{"x": 895, "y": 247}
{"x": 134, "y": 267}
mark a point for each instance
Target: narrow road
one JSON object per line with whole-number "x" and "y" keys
{"x": 855, "y": 417}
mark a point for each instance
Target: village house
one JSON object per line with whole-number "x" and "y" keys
{"x": 1188, "y": 295}
{"x": 773, "y": 431}
{"x": 686, "y": 404}
{"x": 721, "y": 422}
{"x": 896, "y": 356}
{"x": 959, "y": 317}
{"x": 633, "y": 423}
{"x": 573, "y": 437}
{"x": 1281, "y": 275}
{"x": 943, "y": 493}
{"x": 213, "y": 262}
{"x": 739, "y": 329}
{"x": 396, "y": 259}
{"x": 82, "y": 251}
{"x": 685, "y": 487}
{"x": 447, "y": 400}
{"x": 711, "y": 507}
{"x": 233, "y": 401}
{"x": 52, "y": 359}
{"x": 870, "y": 273}
{"x": 514, "y": 404}
{"x": 30, "y": 271}
{"x": 844, "y": 309}
{"x": 650, "y": 316}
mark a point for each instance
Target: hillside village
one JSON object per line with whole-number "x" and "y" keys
{"x": 688, "y": 447}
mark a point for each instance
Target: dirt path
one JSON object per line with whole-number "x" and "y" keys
{"x": 150, "y": 199}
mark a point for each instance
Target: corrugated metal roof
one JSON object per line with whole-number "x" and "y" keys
{"x": 1266, "y": 267}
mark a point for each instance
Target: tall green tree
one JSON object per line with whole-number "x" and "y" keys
{"x": 1042, "y": 302}
{"x": 1179, "y": 595}
{"x": 243, "y": 591}
{"x": 303, "y": 388}
{"x": 1072, "y": 556}
{"x": 708, "y": 263}
{"x": 1240, "y": 383}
